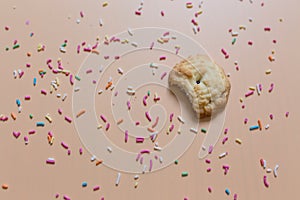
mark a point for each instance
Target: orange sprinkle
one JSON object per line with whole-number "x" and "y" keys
{"x": 98, "y": 162}
{"x": 5, "y": 186}
{"x": 150, "y": 129}
{"x": 13, "y": 116}
{"x": 80, "y": 113}
{"x": 108, "y": 85}
{"x": 95, "y": 51}
{"x": 259, "y": 124}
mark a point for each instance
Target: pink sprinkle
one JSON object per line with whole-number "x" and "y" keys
{"x": 138, "y": 13}
{"x": 107, "y": 126}
{"x": 250, "y": 43}
{"x": 117, "y": 57}
{"x": 89, "y": 71}
{"x": 78, "y": 49}
{"x": 210, "y": 149}
{"x": 69, "y": 152}
{"x": 225, "y": 131}
{"x": 56, "y": 195}
{"x": 44, "y": 92}
{"x": 50, "y": 161}
{"x": 226, "y": 169}
{"x": 80, "y": 151}
{"x": 171, "y": 117}
{"x": 87, "y": 49}
{"x": 145, "y": 151}
{"x": 128, "y": 105}
{"x": 27, "y": 98}
{"x": 235, "y": 197}
{"x": 152, "y": 45}
{"x": 71, "y": 79}
{"x": 287, "y": 114}
{"x": 144, "y": 100}
{"x": 148, "y": 116}
{"x": 81, "y": 14}
{"x": 224, "y": 52}
{"x": 224, "y": 140}
{"x": 96, "y": 188}
{"x": 137, "y": 123}
{"x": 16, "y": 134}
{"x": 50, "y": 134}
{"x": 150, "y": 167}
{"x": 266, "y": 182}
{"x": 103, "y": 118}
{"x": 245, "y": 120}
{"x": 162, "y": 13}
{"x": 21, "y": 74}
{"x": 138, "y": 157}
{"x": 243, "y": 106}
{"x": 166, "y": 33}
{"x": 209, "y": 189}
{"x": 271, "y": 87}
{"x": 95, "y": 45}
{"x": 126, "y": 136}
{"x": 171, "y": 128}
{"x": 208, "y": 169}
{"x": 48, "y": 61}
{"x": 271, "y": 116}
{"x": 68, "y": 119}
{"x": 142, "y": 160}
{"x": 26, "y": 139}
{"x": 64, "y": 145}
{"x": 28, "y": 65}
{"x": 162, "y": 58}
{"x": 249, "y": 93}
{"x": 207, "y": 161}
{"x": 267, "y": 29}
{"x": 31, "y": 132}
{"x": 59, "y": 111}
{"x": 139, "y": 140}
{"x": 66, "y": 197}
{"x": 163, "y": 75}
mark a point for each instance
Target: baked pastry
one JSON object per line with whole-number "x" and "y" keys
{"x": 204, "y": 82}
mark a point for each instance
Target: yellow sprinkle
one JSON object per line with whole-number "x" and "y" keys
{"x": 105, "y": 4}
{"x": 241, "y": 100}
{"x": 199, "y": 12}
{"x": 136, "y": 184}
{"x": 48, "y": 118}
{"x": 237, "y": 140}
{"x": 268, "y": 71}
{"x": 252, "y": 88}
{"x": 160, "y": 41}
{"x": 242, "y": 27}
{"x": 99, "y": 126}
{"x": 52, "y": 140}
{"x": 189, "y": 5}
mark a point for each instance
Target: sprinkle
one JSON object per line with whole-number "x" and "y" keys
{"x": 267, "y": 29}
{"x": 209, "y": 189}
{"x": 48, "y": 118}
{"x": 180, "y": 119}
{"x": 13, "y": 116}
{"x": 104, "y": 4}
{"x": 66, "y": 197}
{"x": 107, "y": 126}
{"x": 194, "y": 130}
{"x": 96, "y": 188}
{"x": 235, "y": 197}
{"x": 99, "y": 162}
{"x": 50, "y": 161}
{"x": 268, "y": 71}
{"x": 128, "y": 105}
{"x": 210, "y": 149}
{"x": 189, "y": 5}
{"x": 258, "y": 89}
{"x": 239, "y": 141}
{"x": 171, "y": 117}
{"x": 224, "y": 140}
{"x": 203, "y": 130}
{"x": 254, "y": 127}
{"x": 139, "y": 140}
{"x": 267, "y": 126}
{"x": 31, "y": 132}
{"x": 26, "y": 139}
{"x": 103, "y": 118}
{"x": 16, "y": 46}
{"x": 40, "y": 124}
{"x": 271, "y": 116}
{"x": 171, "y": 128}
{"x": 155, "y": 123}
{"x": 84, "y": 184}
{"x": 4, "y": 186}
{"x": 227, "y": 191}
{"x": 144, "y": 100}
{"x": 109, "y": 149}
{"x": 118, "y": 179}
{"x": 162, "y": 58}
{"x": 80, "y": 113}
{"x": 150, "y": 165}
{"x": 184, "y": 174}
{"x": 68, "y": 119}
{"x": 16, "y": 134}
{"x": 222, "y": 155}
{"x": 271, "y": 87}
{"x": 109, "y": 84}
{"x": 148, "y": 116}
{"x": 259, "y": 124}
{"x": 145, "y": 151}
{"x": 163, "y": 75}
{"x": 64, "y": 97}
{"x": 275, "y": 170}
{"x": 249, "y": 93}
{"x": 263, "y": 163}
{"x": 119, "y": 121}
{"x": 266, "y": 182}
{"x": 64, "y": 145}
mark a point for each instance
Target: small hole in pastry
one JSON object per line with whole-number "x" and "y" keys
{"x": 198, "y": 81}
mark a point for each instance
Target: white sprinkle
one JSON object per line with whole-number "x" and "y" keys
{"x": 275, "y": 170}
{"x": 64, "y": 97}
{"x": 77, "y": 89}
{"x": 62, "y": 49}
{"x": 93, "y": 158}
{"x": 120, "y": 71}
{"x": 112, "y": 87}
{"x": 19, "y": 109}
{"x": 222, "y": 155}
{"x": 267, "y": 126}
{"x": 130, "y": 32}
{"x": 131, "y": 92}
{"x": 100, "y": 22}
{"x": 58, "y": 95}
{"x": 195, "y": 29}
{"x": 15, "y": 73}
{"x": 100, "y": 68}
{"x": 153, "y": 134}
{"x": 109, "y": 149}
{"x": 136, "y": 177}
{"x": 161, "y": 159}
{"x": 153, "y": 65}
{"x": 193, "y": 130}
{"x": 180, "y": 119}
{"x": 118, "y": 179}
{"x": 100, "y": 91}
{"x": 157, "y": 148}
{"x": 234, "y": 33}
{"x": 134, "y": 44}
{"x": 144, "y": 169}
{"x": 258, "y": 89}
{"x": 78, "y": 21}
{"x": 269, "y": 170}
{"x": 265, "y": 164}
{"x": 109, "y": 79}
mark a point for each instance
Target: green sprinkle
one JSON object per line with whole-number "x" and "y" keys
{"x": 30, "y": 116}
{"x": 6, "y": 48}
{"x": 148, "y": 93}
{"x": 184, "y": 174}
{"x": 77, "y": 78}
{"x": 176, "y": 162}
{"x": 64, "y": 45}
{"x": 233, "y": 40}
{"x": 203, "y": 130}
{"x": 16, "y": 46}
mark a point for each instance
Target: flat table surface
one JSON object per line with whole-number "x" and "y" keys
{"x": 266, "y": 38}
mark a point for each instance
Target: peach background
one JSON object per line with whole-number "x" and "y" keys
{"x": 23, "y": 167}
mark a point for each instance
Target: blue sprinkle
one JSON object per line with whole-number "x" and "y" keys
{"x": 253, "y": 127}
{"x": 227, "y": 191}
{"x": 84, "y": 184}
{"x": 34, "y": 81}
{"x": 40, "y": 124}
{"x": 18, "y": 102}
